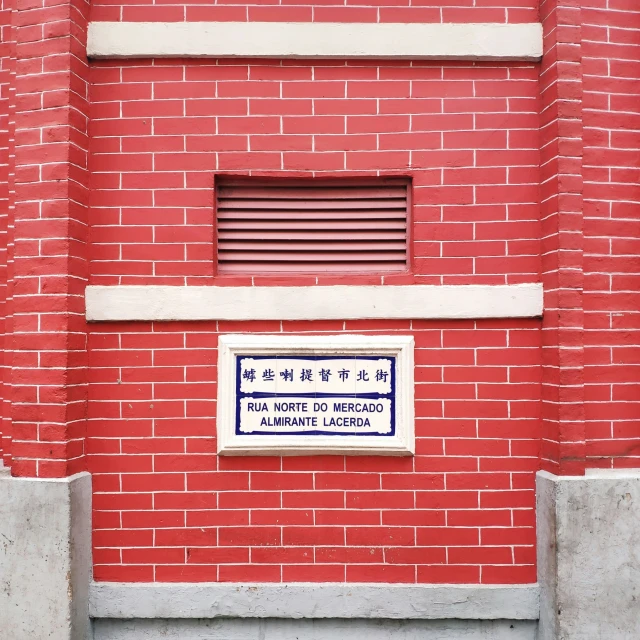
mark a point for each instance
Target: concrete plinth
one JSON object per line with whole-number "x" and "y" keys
{"x": 45, "y": 557}
{"x": 278, "y": 629}
{"x": 232, "y": 611}
{"x": 589, "y": 556}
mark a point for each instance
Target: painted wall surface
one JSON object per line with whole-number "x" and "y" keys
{"x": 468, "y": 136}
{"x": 180, "y": 513}
{"x": 611, "y": 74}
{"x": 520, "y": 172}
{"x": 462, "y": 510}
{"x": 7, "y": 125}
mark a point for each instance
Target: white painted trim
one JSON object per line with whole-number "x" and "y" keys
{"x": 612, "y": 474}
{"x": 318, "y": 600}
{"x": 229, "y": 443}
{"x": 152, "y": 302}
{"x": 448, "y": 41}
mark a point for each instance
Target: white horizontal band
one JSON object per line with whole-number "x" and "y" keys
{"x": 391, "y": 601}
{"x": 151, "y": 302}
{"x": 480, "y": 41}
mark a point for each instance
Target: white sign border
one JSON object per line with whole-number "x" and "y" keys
{"x": 230, "y": 345}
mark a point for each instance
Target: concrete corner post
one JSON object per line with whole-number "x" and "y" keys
{"x": 45, "y": 557}
{"x": 589, "y": 555}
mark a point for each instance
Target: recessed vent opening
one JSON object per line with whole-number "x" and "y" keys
{"x": 312, "y": 226}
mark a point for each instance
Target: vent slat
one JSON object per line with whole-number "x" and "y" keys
{"x": 286, "y": 234}
{"x": 311, "y": 193}
{"x": 311, "y": 205}
{"x": 344, "y": 245}
{"x": 337, "y": 214}
{"x": 300, "y": 256}
{"x": 314, "y": 224}
{"x": 320, "y": 267}
{"x": 308, "y": 226}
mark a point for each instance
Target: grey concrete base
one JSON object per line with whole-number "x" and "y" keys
{"x": 313, "y": 600}
{"x": 45, "y": 557}
{"x": 212, "y": 611}
{"x": 277, "y": 629}
{"x": 589, "y": 556}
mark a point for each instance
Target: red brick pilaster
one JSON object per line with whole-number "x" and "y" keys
{"x": 7, "y": 211}
{"x": 48, "y": 374}
{"x": 563, "y": 445}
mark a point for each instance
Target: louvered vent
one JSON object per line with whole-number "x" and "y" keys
{"x": 311, "y": 226}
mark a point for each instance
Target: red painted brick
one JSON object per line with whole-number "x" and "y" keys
{"x": 477, "y": 141}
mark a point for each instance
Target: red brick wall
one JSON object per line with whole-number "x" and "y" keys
{"x": 561, "y": 213}
{"x": 520, "y": 171}
{"x": 166, "y": 508}
{"x": 467, "y": 135}
{"x": 591, "y": 233}
{"x": 7, "y": 119}
{"x": 611, "y": 68}
{"x": 47, "y": 410}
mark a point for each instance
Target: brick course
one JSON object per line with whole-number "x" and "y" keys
{"x": 318, "y": 11}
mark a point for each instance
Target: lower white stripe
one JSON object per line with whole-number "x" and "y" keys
{"x": 150, "y": 302}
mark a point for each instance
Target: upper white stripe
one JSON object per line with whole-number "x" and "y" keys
{"x": 479, "y": 41}
{"x": 151, "y": 302}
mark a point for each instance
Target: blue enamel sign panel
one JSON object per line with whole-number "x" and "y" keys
{"x": 315, "y": 395}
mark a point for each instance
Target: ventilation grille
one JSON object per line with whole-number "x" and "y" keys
{"x": 278, "y": 226}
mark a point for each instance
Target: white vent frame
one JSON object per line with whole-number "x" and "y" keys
{"x": 317, "y": 226}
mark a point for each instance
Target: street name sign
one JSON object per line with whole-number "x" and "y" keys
{"x": 286, "y": 395}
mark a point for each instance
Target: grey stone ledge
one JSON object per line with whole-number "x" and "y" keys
{"x": 312, "y": 600}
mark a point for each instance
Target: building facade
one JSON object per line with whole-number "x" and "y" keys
{"x": 460, "y": 177}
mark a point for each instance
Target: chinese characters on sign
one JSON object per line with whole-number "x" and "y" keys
{"x": 315, "y": 395}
